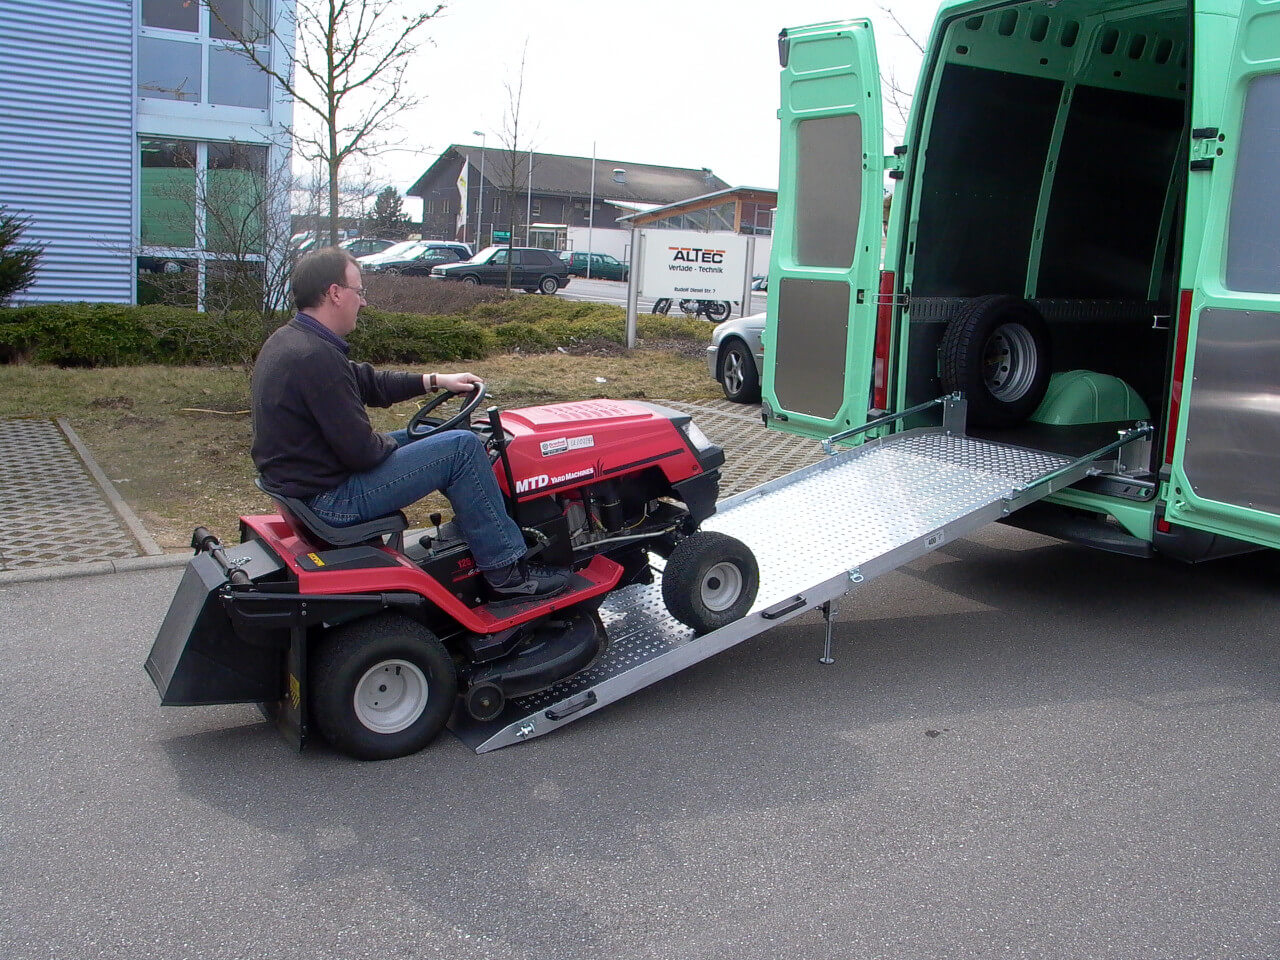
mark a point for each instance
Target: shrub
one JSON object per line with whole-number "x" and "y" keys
{"x": 103, "y": 334}
{"x": 18, "y": 260}
{"x": 522, "y": 336}
{"x": 422, "y": 295}
{"x": 408, "y": 338}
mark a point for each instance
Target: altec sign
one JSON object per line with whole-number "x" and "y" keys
{"x": 683, "y": 263}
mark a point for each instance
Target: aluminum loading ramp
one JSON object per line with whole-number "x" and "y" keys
{"x": 816, "y": 534}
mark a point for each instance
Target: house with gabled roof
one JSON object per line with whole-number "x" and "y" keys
{"x": 546, "y": 199}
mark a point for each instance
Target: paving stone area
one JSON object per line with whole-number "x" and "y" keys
{"x": 753, "y": 455}
{"x": 52, "y": 511}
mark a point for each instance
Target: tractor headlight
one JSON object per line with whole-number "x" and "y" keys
{"x": 697, "y": 439}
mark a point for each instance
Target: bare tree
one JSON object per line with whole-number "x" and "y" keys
{"x": 515, "y": 163}
{"x": 357, "y": 196}
{"x": 899, "y": 96}
{"x": 347, "y": 71}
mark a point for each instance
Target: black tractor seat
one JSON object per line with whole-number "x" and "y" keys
{"x": 303, "y": 518}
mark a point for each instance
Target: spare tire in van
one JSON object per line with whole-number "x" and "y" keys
{"x": 996, "y": 352}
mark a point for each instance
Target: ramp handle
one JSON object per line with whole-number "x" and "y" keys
{"x": 783, "y": 608}
{"x": 588, "y": 701}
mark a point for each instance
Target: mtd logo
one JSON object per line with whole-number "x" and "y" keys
{"x": 543, "y": 480}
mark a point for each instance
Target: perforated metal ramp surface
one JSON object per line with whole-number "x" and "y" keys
{"x": 866, "y": 510}
{"x": 52, "y": 511}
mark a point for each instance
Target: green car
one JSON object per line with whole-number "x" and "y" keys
{"x": 603, "y": 266}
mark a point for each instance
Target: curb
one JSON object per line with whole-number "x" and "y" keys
{"x": 91, "y": 568}
{"x": 113, "y": 498}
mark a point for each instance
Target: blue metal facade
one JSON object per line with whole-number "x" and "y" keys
{"x": 67, "y": 142}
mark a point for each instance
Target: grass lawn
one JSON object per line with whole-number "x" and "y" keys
{"x": 175, "y": 440}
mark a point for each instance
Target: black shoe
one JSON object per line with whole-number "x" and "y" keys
{"x": 528, "y": 581}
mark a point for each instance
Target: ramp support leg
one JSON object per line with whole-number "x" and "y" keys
{"x": 829, "y": 615}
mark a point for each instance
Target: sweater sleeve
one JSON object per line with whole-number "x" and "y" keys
{"x": 338, "y": 408}
{"x": 382, "y": 388}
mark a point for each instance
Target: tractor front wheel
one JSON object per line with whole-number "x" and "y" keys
{"x": 710, "y": 580}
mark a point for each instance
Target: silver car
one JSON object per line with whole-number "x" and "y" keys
{"x": 736, "y": 357}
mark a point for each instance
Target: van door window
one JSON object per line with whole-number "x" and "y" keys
{"x": 828, "y": 190}
{"x": 1253, "y": 237}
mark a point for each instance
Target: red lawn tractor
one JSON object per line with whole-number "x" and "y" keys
{"x": 378, "y": 639}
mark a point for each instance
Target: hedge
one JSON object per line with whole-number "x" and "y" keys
{"x": 94, "y": 334}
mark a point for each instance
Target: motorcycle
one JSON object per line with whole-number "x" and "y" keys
{"x": 713, "y": 310}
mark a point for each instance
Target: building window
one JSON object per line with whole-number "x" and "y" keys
{"x": 535, "y": 208}
{"x": 235, "y": 198}
{"x": 171, "y": 14}
{"x": 169, "y": 70}
{"x": 186, "y": 53}
{"x": 168, "y": 191}
{"x": 235, "y": 81}
{"x": 205, "y": 212}
{"x": 241, "y": 18}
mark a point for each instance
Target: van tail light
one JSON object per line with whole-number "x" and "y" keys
{"x": 1179, "y": 370}
{"x": 884, "y": 328}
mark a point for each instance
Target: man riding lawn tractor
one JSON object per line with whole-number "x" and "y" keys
{"x": 329, "y": 615}
{"x": 312, "y": 438}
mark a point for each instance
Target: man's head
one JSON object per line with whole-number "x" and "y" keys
{"x": 326, "y": 284}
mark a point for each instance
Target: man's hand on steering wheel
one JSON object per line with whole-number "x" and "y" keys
{"x": 453, "y": 382}
{"x": 469, "y": 387}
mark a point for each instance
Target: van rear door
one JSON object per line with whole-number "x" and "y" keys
{"x": 824, "y": 270}
{"x": 1224, "y": 455}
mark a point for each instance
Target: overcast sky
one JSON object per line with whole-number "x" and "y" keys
{"x": 688, "y": 83}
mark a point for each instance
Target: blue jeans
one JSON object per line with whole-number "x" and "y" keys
{"x": 456, "y": 464}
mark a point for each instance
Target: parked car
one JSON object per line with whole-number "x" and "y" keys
{"x": 603, "y": 266}
{"x": 364, "y": 246}
{"x": 760, "y": 282}
{"x": 416, "y": 261}
{"x": 736, "y": 357}
{"x": 531, "y": 269}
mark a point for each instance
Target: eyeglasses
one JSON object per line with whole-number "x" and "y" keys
{"x": 360, "y": 291}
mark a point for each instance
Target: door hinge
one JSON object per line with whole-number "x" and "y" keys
{"x": 1204, "y": 147}
{"x": 896, "y": 164}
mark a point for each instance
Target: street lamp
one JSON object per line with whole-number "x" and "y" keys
{"x": 480, "y": 200}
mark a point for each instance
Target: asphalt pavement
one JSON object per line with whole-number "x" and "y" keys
{"x": 1023, "y": 749}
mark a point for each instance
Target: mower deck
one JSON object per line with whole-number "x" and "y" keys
{"x": 816, "y": 533}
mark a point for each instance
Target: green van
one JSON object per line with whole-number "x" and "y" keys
{"x": 1084, "y": 235}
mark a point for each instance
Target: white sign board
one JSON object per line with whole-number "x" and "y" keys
{"x": 686, "y": 263}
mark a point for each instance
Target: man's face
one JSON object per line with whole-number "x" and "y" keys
{"x": 348, "y": 300}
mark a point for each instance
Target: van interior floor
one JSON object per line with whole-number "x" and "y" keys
{"x": 1068, "y": 441}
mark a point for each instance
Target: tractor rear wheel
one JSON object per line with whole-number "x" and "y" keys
{"x": 382, "y": 687}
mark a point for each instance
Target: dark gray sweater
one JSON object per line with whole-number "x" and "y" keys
{"x": 310, "y": 428}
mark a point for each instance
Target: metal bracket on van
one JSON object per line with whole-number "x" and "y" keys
{"x": 1072, "y": 472}
{"x": 953, "y": 414}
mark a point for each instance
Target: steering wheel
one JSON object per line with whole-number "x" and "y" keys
{"x": 422, "y": 425}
